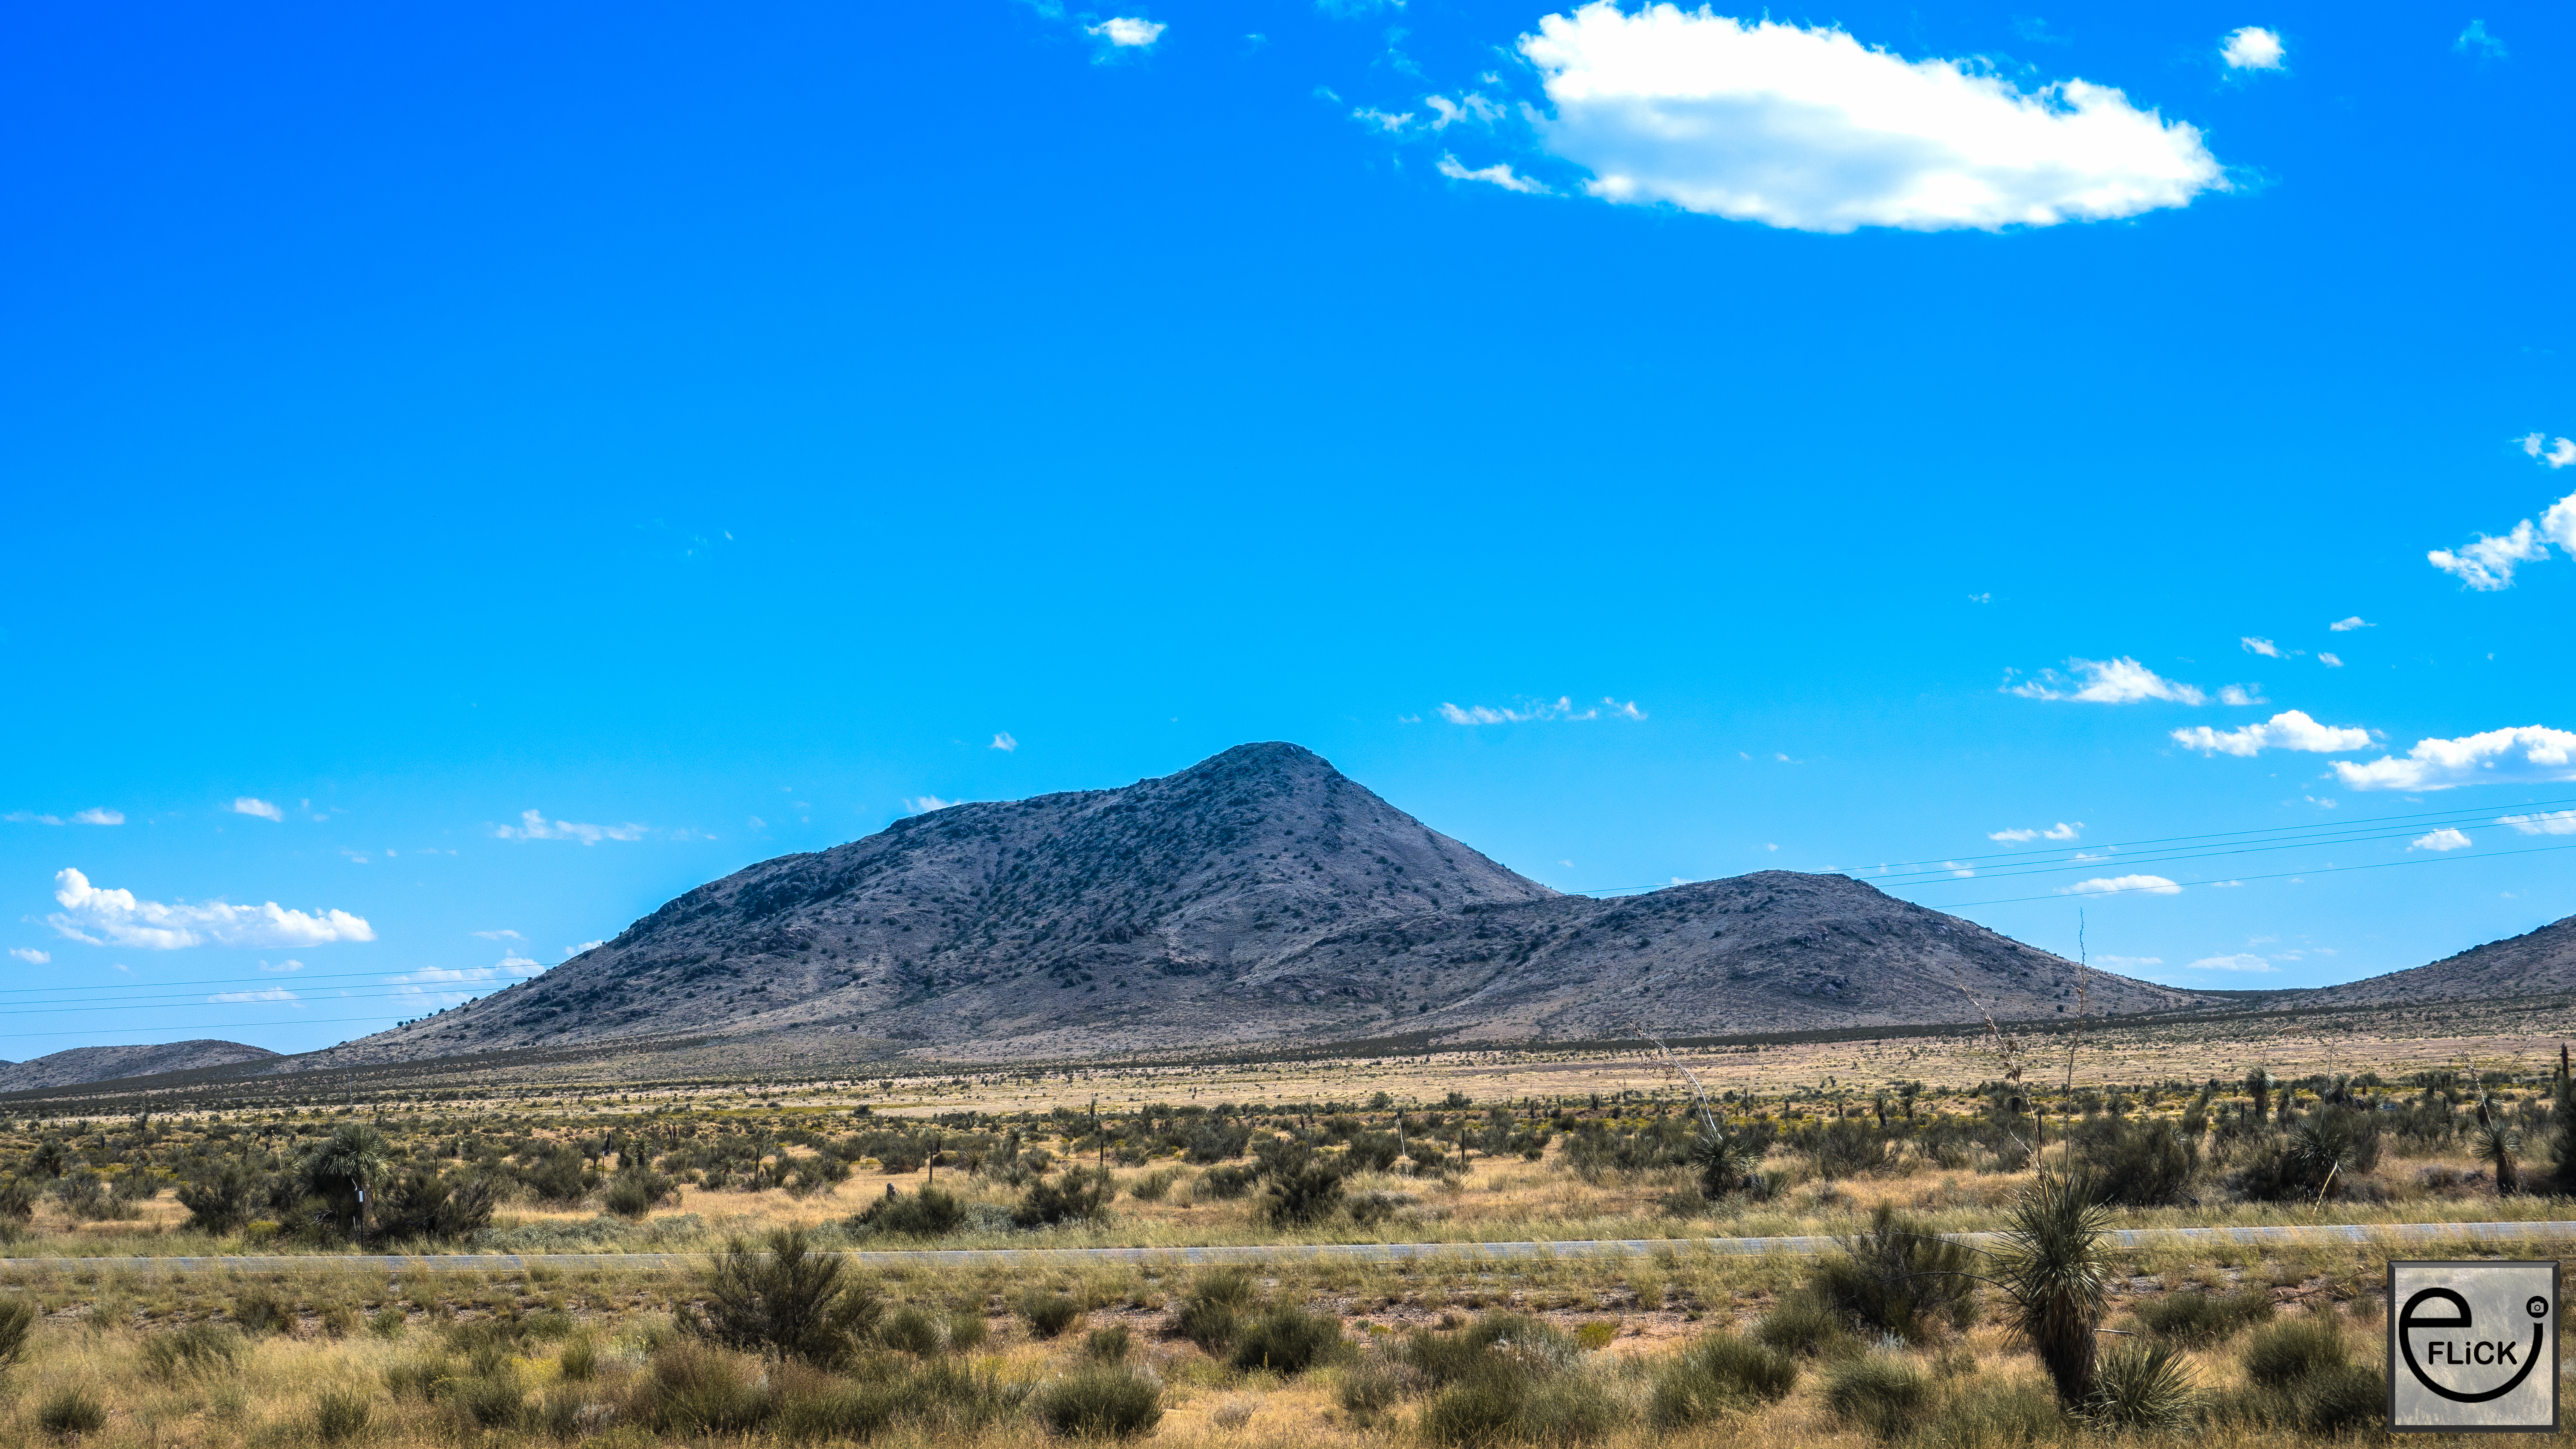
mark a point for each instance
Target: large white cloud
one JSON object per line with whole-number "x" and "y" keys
{"x": 2291, "y": 729}
{"x": 2488, "y": 564}
{"x": 116, "y": 918}
{"x": 1811, "y": 130}
{"x": 2524, "y": 754}
{"x": 2251, "y": 47}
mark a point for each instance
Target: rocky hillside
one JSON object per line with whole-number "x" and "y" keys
{"x": 2535, "y": 963}
{"x": 111, "y": 1063}
{"x": 1255, "y": 896}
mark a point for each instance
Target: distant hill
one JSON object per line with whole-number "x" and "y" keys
{"x": 1259, "y": 895}
{"x": 108, "y": 1063}
{"x": 2536, "y": 963}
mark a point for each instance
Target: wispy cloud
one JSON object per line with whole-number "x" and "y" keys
{"x": 2240, "y": 961}
{"x": 30, "y": 955}
{"x": 2291, "y": 729}
{"x": 2549, "y": 822}
{"x": 1809, "y": 129}
{"x": 2346, "y": 626}
{"x": 2116, "y": 681}
{"x": 2252, "y": 48}
{"x": 1128, "y": 31}
{"x": 2129, "y": 963}
{"x": 2556, "y": 454}
{"x": 253, "y": 805}
{"x": 2112, "y": 885}
{"x": 2477, "y": 40}
{"x": 265, "y": 993}
{"x": 2264, "y": 647}
{"x": 2487, "y": 565}
{"x": 96, "y": 815}
{"x": 282, "y": 967}
{"x": 533, "y": 825}
{"x": 584, "y": 947}
{"x": 1529, "y": 711}
{"x": 2061, "y": 831}
{"x": 99, "y": 817}
{"x": 2446, "y": 838}
{"x": 518, "y": 965}
{"x": 1499, "y": 174}
{"x": 1005, "y": 743}
{"x": 115, "y": 917}
{"x": 2524, "y": 754}
{"x": 500, "y": 935}
{"x": 924, "y": 804}
{"x": 2330, "y": 661}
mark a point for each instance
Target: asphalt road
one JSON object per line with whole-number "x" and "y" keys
{"x": 2391, "y": 1234}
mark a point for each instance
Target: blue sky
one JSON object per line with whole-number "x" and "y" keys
{"x": 482, "y": 473}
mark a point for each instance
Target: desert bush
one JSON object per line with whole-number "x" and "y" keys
{"x": 198, "y": 1348}
{"x": 416, "y": 1378}
{"x": 18, "y": 1314}
{"x": 2141, "y": 1386}
{"x": 1298, "y": 1196}
{"x": 2137, "y": 1162}
{"x": 1367, "y": 1389}
{"x": 387, "y": 1322}
{"x": 1723, "y": 1161}
{"x": 1801, "y": 1325}
{"x": 1080, "y": 1195}
{"x": 490, "y": 1400}
{"x": 1994, "y": 1416}
{"x": 2294, "y": 1349}
{"x": 1108, "y": 1345}
{"x": 929, "y": 1213}
{"x": 633, "y": 1191}
{"x": 788, "y": 1300}
{"x": 340, "y": 1415}
{"x": 1100, "y": 1401}
{"x": 258, "y": 1310}
{"x": 223, "y": 1202}
{"x": 1048, "y": 1312}
{"x": 1288, "y": 1340}
{"x": 2190, "y": 1317}
{"x": 2056, "y": 1267}
{"x": 1501, "y": 1401}
{"x": 909, "y": 1330}
{"x": 1214, "y": 1308}
{"x": 966, "y": 1330}
{"x": 71, "y": 1410}
{"x": 1878, "y": 1392}
{"x": 1224, "y": 1184}
{"x": 1154, "y": 1186}
{"x": 579, "y": 1360}
{"x": 1895, "y": 1278}
{"x": 2500, "y": 1146}
{"x": 418, "y": 1203}
{"x": 691, "y": 1388}
{"x": 1846, "y": 1148}
{"x": 1718, "y": 1372}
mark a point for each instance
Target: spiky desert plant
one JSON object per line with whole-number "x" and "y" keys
{"x": 2258, "y": 1085}
{"x": 2500, "y": 1144}
{"x": 2056, "y": 1265}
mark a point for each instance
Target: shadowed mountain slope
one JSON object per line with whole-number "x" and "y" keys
{"x": 1257, "y": 895}
{"x": 113, "y": 1063}
{"x": 2535, "y": 963}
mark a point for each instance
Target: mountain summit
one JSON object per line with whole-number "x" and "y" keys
{"x": 1257, "y": 895}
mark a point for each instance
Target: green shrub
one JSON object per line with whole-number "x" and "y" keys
{"x": 1049, "y": 1313}
{"x": 71, "y": 1410}
{"x": 18, "y": 1314}
{"x": 788, "y": 1300}
{"x": 1501, "y": 1401}
{"x": 558, "y": 1416}
{"x": 1366, "y": 1389}
{"x": 416, "y": 1378}
{"x": 1100, "y": 1401}
{"x": 490, "y": 1400}
{"x": 909, "y": 1330}
{"x": 579, "y": 1360}
{"x": 1894, "y": 1277}
{"x": 340, "y": 1414}
{"x": 1213, "y": 1310}
{"x": 199, "y": 1348}
{"x": 2292, "y": 1350}
{"x": 1718, "y": 1372}
{"x": 2137, "y": 1161}
{"x": 1288, "y": 1340}
{"x": 1224, "y": 1184}
{"x": 1108, "y": 1345}
{"x": 387, "y": 1322}
{"x": 693, "y": 1389}
{"x": 2141, "y": 1386}
{"x": 1882, "y": 1394}
{"x": 1801, "y": 1325}
{"x": 2194, "y": 1318}
{"x": 223, "y": 1202}
{"x": 1303, "y": 1195}
{"x": 1080, "y": 1196}
{"x": 966, "y": 1331}
{"x": 1153, "y": 1186}
{"x": 929, "y": 1213}
{"x": 1994, "y": 1416}
{"x": 258, "y": 1310}
{"x": 632, "y": 1193}
{"x": 2056, "y": 1267}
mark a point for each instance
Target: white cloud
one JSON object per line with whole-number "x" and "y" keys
{"x": 2063, "y": 831}
{"x": 2129, "y": 963}
{"x": 500, "y": 935}
{"x": 2241, "y": 961}
{"x": 2330, "y": 661}
{"x": 2558, "y": 525}
{"x": 2346, "y": 626}
{"x": 2108, "y": 681}
{"x": 2291, "y": 729}
{"x": 2017, "y": 836}
{"x": 924, "y": 804}
{"x": 2520, "y": 755}
{"x": 2013, "y": 837}
{"x": 1128, "y": 30}
{"x": 2445, "y": 838}
{"x": 1002, "y": 742}
{"x": 30, "y": 956}
{"x": 265, "y": 993}
{"x": 2476, "y": 40}
{"x": 2251, "y": 48}
{"x": 253, "y": 805}
{"x": 93, "y": 816}
{"x": 2488, "y": 564}
{"x": 282, "y": 966}
{"x": 572, "y": 951}
{"x": 518, "y": 965}
{"x": 1499, "y": 174}
{"x": 2556, "y": 455}
{"x": 115, "y": 917}
{"x": 2548, "y": 822}
{"x": 23, "y": 817}
{"x": 2264, "y": 647}
{"x": 99, "y": 817}
{"x": 2154, "y": 885}
{"x": 1530, "y": 711}
{"x": 1810, "y": 130}
{"x": 533, "y": 825}
{"x": 2239, "y": 694}
{"x": 1381, "y": 119}
{"x": 1474, "y": 108}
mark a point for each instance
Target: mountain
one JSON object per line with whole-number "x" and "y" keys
{"x": 109, "y": 1063}
{"x": 2535, "y": 963}
{"x": 1255, "y": 896}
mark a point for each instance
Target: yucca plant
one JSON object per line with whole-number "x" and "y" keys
{"x": 2496, "y": 1143}
{"x": 2144, "y": 1386}
{"x": 2056, "y": 1265}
